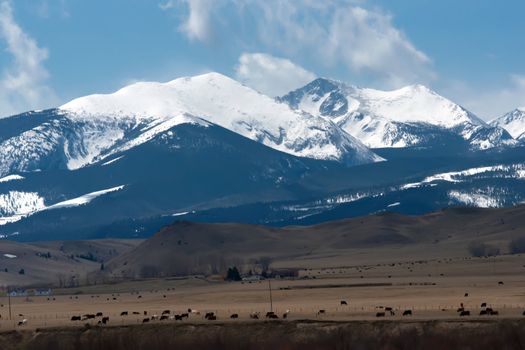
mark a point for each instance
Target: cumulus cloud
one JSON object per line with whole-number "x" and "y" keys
{"x": 271, "y": 75}
{"x": 22, "y": 85}
{"x": 335, "y": 32}
{"x": 197, "y": 24}
{"x": 492, "y": 101}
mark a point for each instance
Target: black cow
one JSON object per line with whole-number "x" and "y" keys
{"x": 99, "y": 314}
{"x": 136, "y": 313}
{"x": 212, "y": 318}
{"x": 273, "y": 316}
{"x": 76, "y": 318}
{"x": 407, "y": 313}
{"x": 343, "y": 302}
{"x": 269, "y": 313}
{"x": 380, "y": 314}
{"x": 185, "y": 315}
{"x": 164, "y": 317}
{"x": 523, "y": 314}
{"x": 178, "y": 317}
{"x": 166, "y": 312}
{"x": 234, "y": 316}
{"x": 124, "y": 313}
{"x": 145, "y": 320}
{"x": 209, "y": 314}
{"x": 483, "y": 304}
{"x": 464, "y": 313}
{"x": 483, "y": 312}
{"x": 105, "y": 320}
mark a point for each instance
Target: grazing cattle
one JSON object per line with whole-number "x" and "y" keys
{"x": 483, "y": 312}
{"x": 145, "y": 313}
{"x": 388, "y": 308}
{"x": 88, "y": 316}
{"x": 166, "y": 312}
{"x": 343, "y": 302}
{"x": 212, "y": 318}
{"x": 99, "y": 314}
{"x": 164, "y": 317}
{"x": 466, "y": 295}
{"x": 269, "y": 313}
{"x": 285, "y": 315}
{"x": 407, "y": 313}
{"x": 494, "y": 313}
{"x": 76, "y": 318}
{"x": 273, "y": 316}
{"x": 461, "y": 309}
{"x": 145, "y": 320}
{"x": 136, "y": 313}
{"x": 483, "y": 304}
{"x": 124, "y": 313}
{"x": 321, "y": 312}
{"x": 23, "y": 322}
{"x": 139, "y": 297}
{"x": 380, "y": 314}
{"x": 464, "y": 313}
{"x": 105, "y": 320}
{"x": 500, "y": 282}
{"x": 178, "y": 318}
{"x": 234, "y": 316}
{"x": 185, "y": 315}
{"x": 209, "y": 314}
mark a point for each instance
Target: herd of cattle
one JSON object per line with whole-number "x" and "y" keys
{"x": 211, "y": 316}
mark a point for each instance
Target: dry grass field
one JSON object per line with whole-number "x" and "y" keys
{"x": 432, "y": 289}
{"x": 373, "y": 264}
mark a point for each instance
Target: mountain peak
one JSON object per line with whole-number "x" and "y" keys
{"x": 221, "y": 100}
{"x": 513, "y": 122}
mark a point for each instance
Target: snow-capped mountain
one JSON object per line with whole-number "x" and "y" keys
{"x": 513, "y": 122}
{"x": 410, "y": 116}
{"x": 222, "y": 101}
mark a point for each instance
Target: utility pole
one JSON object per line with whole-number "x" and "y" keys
{"x": 9, "y": 302}
{"x": 270, "y": 289}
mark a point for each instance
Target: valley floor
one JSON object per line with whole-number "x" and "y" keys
{"x": 432, "y": 289}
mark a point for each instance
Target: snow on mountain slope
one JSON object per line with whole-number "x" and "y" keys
{"x": 398, "y": 118}
{"x": 15, "y": 205}
{"x": 513, "y": 122}
{"x": 225, "y": 102}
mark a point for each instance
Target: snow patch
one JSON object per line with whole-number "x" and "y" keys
{"x": 112, "y": 161}
{"x": 14, "y": 206}
{"x": 11, "y": 178}
{"x": 10, "y": 256}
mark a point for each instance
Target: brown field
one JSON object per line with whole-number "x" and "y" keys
{"x": 418, "y": 286}
{"x": 423, "y": 264}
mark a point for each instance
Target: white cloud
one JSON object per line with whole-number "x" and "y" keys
{"x": 197, "y": 24}
{"x": 271, "y": 75}
{"x": 333, "y": 32}
{"x": 493, "y": 101}
{"x": 22, "y": 85}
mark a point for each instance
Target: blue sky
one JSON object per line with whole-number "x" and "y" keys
{"x": 470, "y": 51}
